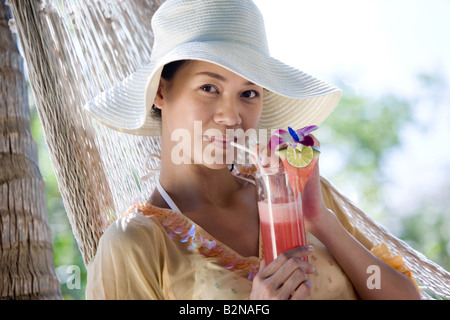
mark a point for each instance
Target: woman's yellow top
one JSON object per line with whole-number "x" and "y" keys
{"x": 154, "y": 253}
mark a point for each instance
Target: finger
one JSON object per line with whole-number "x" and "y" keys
{"x": 299, "y": 253}
{"x": 296, "y": 275}
{"x": 302, "y": 291}
{"x": 294, "y": 265}
{"x": 283, "y": 282}
{"x": 316, "y": 141}
{"x": 315, "y": 173}
{"x": 262, "y": 264}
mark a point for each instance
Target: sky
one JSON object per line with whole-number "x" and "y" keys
{"x": 379, "y": 44}
{"x": 376, "y": 47}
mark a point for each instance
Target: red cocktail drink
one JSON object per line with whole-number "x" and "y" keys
{"x": 280, "y": 214}
{"x": 281, "y": 226}
{"x": 280, "y": 186}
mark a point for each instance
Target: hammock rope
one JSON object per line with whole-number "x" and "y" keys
{"x": 74, "y": 50}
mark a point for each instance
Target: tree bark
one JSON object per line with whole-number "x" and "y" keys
{"x": 27, "y": 269}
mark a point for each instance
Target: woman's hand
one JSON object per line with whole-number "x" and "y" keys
{"x": 312, "y": 199}
{"x": 313, "y": 204}
{"x": 286, "y": 278}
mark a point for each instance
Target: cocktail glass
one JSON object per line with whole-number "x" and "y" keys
{"x": 280, "y": 213}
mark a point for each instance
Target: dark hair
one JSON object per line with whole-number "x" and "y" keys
{"x": 167, "y": 73}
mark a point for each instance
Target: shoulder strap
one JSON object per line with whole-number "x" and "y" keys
{"x": 166, "y": 197}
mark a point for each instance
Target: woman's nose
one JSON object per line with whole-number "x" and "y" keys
{"x": 228, "y": 114}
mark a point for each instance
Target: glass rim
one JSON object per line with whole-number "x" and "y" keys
{"x": 272, "y": 173}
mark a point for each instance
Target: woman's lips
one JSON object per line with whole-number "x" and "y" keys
{"x": 224, "y": 144}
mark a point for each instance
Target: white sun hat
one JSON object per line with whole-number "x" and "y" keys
{"x": 228, "y": 33}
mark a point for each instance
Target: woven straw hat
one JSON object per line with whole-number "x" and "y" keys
{"x": 228, "y": 33}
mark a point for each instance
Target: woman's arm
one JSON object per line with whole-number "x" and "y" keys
{"x": 352, "y": 256}
{"x": 356, "y": 261}
{"x": 127, "y": 262}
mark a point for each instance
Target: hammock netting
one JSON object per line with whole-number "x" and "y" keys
{"x": 74, "y": 50}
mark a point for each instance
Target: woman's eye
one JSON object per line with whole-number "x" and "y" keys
{"x": 209, "y": 88}
{"x": 250, "y": 94}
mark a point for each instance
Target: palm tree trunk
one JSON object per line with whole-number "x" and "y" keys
{"x": 27, "y": 269}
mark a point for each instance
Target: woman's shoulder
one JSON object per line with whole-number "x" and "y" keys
{"x": 130, "y": 250}
{"x": 134, "y": 226}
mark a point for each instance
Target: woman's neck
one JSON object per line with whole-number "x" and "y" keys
{"x": 192, "y": 186}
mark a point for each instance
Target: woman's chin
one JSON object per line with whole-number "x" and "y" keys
{"x": 214, "y": 164}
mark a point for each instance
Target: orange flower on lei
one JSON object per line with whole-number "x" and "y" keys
{"x": 382, "y": 252}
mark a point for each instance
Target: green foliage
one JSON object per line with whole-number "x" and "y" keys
{"x": 66, "y": 251}
{"x": 427, "y": 229}
{"x": 359, "y": 134}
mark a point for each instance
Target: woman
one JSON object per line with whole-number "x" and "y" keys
{"x": 197, "y": 236}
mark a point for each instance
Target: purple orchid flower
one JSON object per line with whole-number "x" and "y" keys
{"x": 292, "y": 137}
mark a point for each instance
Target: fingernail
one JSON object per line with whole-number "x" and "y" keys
{"x": 310, "y": 248}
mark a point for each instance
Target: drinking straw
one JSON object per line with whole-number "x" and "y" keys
{"x": 234, "y": 144}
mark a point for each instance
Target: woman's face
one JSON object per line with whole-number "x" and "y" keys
{"x": 204, "y": 108}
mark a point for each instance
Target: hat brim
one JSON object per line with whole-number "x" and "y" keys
{"x": 293, "y": 98}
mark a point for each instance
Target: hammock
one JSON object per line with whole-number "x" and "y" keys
{"x": 75, "y": 49}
